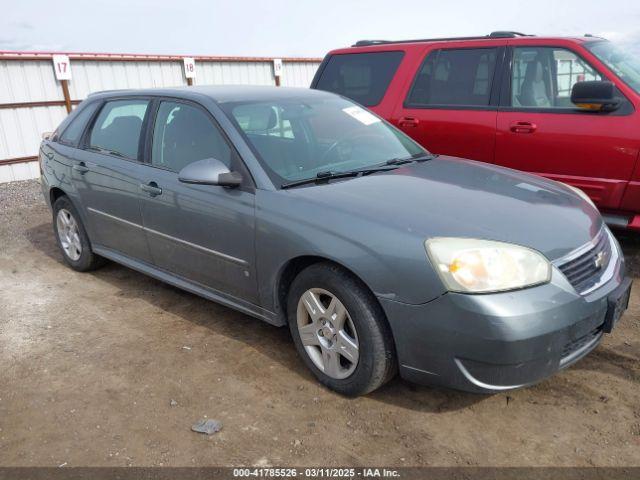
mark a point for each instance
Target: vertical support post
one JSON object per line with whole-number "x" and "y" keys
{"x": 65, "y": 92}
{"x": 278, "y": 81}
{"x": 189, "y": 81}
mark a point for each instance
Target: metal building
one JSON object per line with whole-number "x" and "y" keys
{"x": 33, "y": 100}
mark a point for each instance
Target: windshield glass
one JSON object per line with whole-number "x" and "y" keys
{"x": 623, "y": 63}
{"x": 296, "y": 139}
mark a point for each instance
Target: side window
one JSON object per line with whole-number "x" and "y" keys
{"x": 454, "y": 77}
{"x": 75, "y": 129}
{"x": 117, "y": 127}
{"x": 363, "y": 77}
{"x": 184, "y": 134}
{"x": 542, "y": 77}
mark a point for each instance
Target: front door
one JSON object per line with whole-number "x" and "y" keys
{"x": 106, "y": 173}
{"x": 542, "y": 132}
{"x": 451, "y": 107}
{"x": 203, "y": 233}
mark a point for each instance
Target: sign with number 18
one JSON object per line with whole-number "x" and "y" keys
{"x": 189, "y": 68}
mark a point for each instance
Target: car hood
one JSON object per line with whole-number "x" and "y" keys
{"x": 452, "y": 197}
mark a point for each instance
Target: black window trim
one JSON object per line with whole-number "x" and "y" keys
{"x": 496, "y": 81}
{"x": 237, "y": 161}
{"x": 505, "y": 94}
{"x": 84, "y": 142}
{"x": 328, "y": 58}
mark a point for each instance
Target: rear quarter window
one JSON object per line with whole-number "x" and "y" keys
{"x": 363, "y": 77}
{"x": 73, "y": 132}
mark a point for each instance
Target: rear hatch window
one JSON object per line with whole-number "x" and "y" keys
{"x": 363, "y": 77}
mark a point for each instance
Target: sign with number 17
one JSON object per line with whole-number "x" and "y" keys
{"x": 62, "y": 67}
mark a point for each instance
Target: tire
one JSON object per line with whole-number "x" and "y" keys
{"x": 72, "y": 237}
{"x": 326, "y": 287}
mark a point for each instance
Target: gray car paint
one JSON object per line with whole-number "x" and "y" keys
{"x": 375, "y": 226}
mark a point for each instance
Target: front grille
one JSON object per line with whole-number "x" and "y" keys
{"x": 585, "y": 270}
{"x": 576, "y": 345}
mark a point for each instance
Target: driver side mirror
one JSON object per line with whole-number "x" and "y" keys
{"x": 598, "y": 96}
{"x": 209, "y": 171}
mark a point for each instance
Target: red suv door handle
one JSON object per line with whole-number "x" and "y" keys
{"x": 523, "y": 127}
{"x": 408, "y": 122}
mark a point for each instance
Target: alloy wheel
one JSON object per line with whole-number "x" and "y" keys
{"x": 69, "y": 234}
{"x": 327, "y": 333}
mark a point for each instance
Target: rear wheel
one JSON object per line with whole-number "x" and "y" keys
{"x": 72, "y": 237}
{"x": 340, "y": 331}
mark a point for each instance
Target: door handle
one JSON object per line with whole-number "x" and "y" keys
{"x": 81, "y": 168}
{"x": 523, "y": 127}
{"x": 408, "y": 122}
{"x": 151, "y": 188}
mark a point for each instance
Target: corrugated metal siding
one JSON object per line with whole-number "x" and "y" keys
{"x": 18, "y": 171}
{"x": 21, "y": 129}
{"x": 25, "y": 81}
{"x": 234, "y": 73}
{"x": 298, "y": 74}
{"x": 94, "y": 76}
{"x": 32, "y": 80}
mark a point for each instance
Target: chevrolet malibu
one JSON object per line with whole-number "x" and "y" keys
{"x": 301, "y": 208}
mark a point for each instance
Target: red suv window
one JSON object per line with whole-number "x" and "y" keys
{"x": 363, "y": 77}
{"x": 454, "y": 77}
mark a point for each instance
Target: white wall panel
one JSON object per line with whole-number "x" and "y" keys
{"x": 234, "y": 73}
{"x": 21, "y": 129}
{"x": 298, "y": 74}
{"x": 28, "y": 81}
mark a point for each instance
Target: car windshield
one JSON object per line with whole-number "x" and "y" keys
{"x": 623, "y": 63}
{"x": 297, "y": 139}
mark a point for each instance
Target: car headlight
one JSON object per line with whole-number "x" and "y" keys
{"x": 582, "y": 194}
{"x": 480, "y": 266}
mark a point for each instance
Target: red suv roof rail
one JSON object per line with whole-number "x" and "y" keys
{"x": 497, "y": 34}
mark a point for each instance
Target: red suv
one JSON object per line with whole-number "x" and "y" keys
{"x": 564, "y": 108}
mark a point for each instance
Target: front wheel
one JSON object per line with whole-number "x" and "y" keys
{"x": 340, "y": 330}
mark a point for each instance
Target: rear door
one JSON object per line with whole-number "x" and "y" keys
{"x": 541, "y": 131}
{"x": 203, "y": 233}
{"x": 106, "y": 174}
{"x": 451, "y": 105}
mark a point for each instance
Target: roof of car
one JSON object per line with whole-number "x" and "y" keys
{"x": 493, "y": 37}
{"x": 221, "y": 93}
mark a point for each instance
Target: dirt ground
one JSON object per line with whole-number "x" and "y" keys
{"x": 89, "y": 365}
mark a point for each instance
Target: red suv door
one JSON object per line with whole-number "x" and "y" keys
{"x": 539, "y": 130}
{"x": 451, "y": 105}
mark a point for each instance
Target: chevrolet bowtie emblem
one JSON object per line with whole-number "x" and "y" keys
{"x": 600, "y": 259}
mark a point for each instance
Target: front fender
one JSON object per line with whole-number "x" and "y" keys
{"x": 392, "y": 263}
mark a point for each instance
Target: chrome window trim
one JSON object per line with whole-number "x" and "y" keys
{"x": 169, "y": 237}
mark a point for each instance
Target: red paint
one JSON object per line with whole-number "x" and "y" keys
{"x": 598, "y": 153}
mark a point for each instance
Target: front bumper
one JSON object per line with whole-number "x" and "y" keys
{"x": 493, "y": 342}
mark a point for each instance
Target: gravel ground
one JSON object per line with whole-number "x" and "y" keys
{"x": 112, "y": 368}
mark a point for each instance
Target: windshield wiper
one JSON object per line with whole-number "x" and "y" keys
{"x": 330, "y": 175}
{"x": 416, "y": 157}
